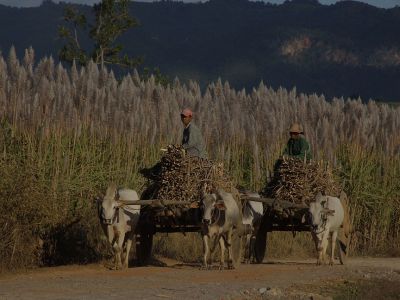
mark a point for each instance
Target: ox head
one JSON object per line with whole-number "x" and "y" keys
{"x": 211, "y": 205}
{"x": 318, "y": 217}
{"x": 109, "y": 205}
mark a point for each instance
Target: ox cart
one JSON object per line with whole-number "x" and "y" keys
{"x": 286, "y": 216}
{"x": 169, "y": 216}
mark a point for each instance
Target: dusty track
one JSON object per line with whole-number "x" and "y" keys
{"x": 184, "y": 281}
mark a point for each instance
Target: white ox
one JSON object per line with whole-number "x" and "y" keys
{"x": 119, "y": 221}
{"x": 327, "y": 216}
{"x": 252, "y": 215}
{"x": 221, "y": 216}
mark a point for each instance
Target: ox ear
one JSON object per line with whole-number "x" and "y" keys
{"x": 220, "y": 205}
{"x": 318, "y": 197}
{"x": 328, "y": 212}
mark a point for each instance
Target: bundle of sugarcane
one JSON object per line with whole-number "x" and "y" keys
{"x": 300, "y": 182}
{"x": 184, "y": 178}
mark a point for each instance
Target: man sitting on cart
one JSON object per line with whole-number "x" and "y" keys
{"x": 297, "y": 146}
{"x": 192, "y": 140}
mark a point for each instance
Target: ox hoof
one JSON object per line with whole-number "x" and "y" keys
{"x": 205, "y": 267}
{"x": 221, "y": 267}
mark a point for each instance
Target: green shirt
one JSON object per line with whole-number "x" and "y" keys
{"x": 298, "y": 148}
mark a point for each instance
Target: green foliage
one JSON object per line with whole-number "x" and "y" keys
{"x": 72, "y": 51}
{"x": 159, "y": 78}
{"x": 112, "y": 19}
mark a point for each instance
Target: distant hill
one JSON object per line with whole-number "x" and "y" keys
{"x": 347, "y": 49}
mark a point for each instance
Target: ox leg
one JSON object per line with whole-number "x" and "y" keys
{"x": 229, "y": 246}
{"x": 253, "y": 248}
{"x": 206, "y": 251}
{"x": 117, "y": 257}
{"x": 112, "y": 235}
{"x": 333, "y": 243}
{"x": 316, "y": 241}
{"x": 247, "y": 253}
{"x": 318, "y": 247}
{"x": 118, "y": 249}
{"x": 113, "y": 239}
{"x": 127, "y": 250}
{"x": 323, "y": 247}
{"x": 222, "y": 247}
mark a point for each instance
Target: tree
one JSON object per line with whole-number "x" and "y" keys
{"x": 72, "y": 51}
{"x": 112, "y": 19}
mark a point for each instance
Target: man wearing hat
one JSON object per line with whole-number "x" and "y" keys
{"x": 297, "y": 146}
{"x": 192, "y": 140}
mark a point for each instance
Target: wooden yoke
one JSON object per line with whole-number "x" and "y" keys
{"x": 153, "y": 202}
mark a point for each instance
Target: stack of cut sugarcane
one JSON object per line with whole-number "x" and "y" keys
{"x": 184, "y": 178}
{"x": 300, "y": 182}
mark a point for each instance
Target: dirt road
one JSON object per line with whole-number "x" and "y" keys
{"x": 185, "y": 281}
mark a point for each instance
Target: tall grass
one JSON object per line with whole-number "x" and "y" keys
{"x": 372, "y": 179}
{"x": 66, "y": 133}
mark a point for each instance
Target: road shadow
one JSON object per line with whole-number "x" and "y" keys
{"x": 153, "y": 262}
{"x": 289, "y": 263}
{"x": 182, "y": 265}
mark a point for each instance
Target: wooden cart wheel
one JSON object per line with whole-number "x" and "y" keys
{"x": 260, "y": 245}
{"x": 144, "y": 246}
{"x": 236, "y": 250}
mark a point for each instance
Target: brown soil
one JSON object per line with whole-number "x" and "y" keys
{"x": 175, "y": 280}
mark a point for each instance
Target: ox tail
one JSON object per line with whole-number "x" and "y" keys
{"x": 342, "y": 246}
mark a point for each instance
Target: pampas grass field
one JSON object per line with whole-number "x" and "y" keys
{"x": 66, "y": 133}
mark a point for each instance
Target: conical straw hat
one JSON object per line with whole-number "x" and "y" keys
{"x": 296, "y": 128}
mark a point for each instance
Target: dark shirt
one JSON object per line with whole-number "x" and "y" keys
{"x": 193, "y": 142}
{"x": 298, "y": 148}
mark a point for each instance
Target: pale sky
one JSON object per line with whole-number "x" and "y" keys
{"x": 30, "y": 3}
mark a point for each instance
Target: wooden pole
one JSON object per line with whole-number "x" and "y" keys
{"x": 153, "y": 202}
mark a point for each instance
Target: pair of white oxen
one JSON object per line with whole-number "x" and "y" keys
{"x": 119, "y": 222}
